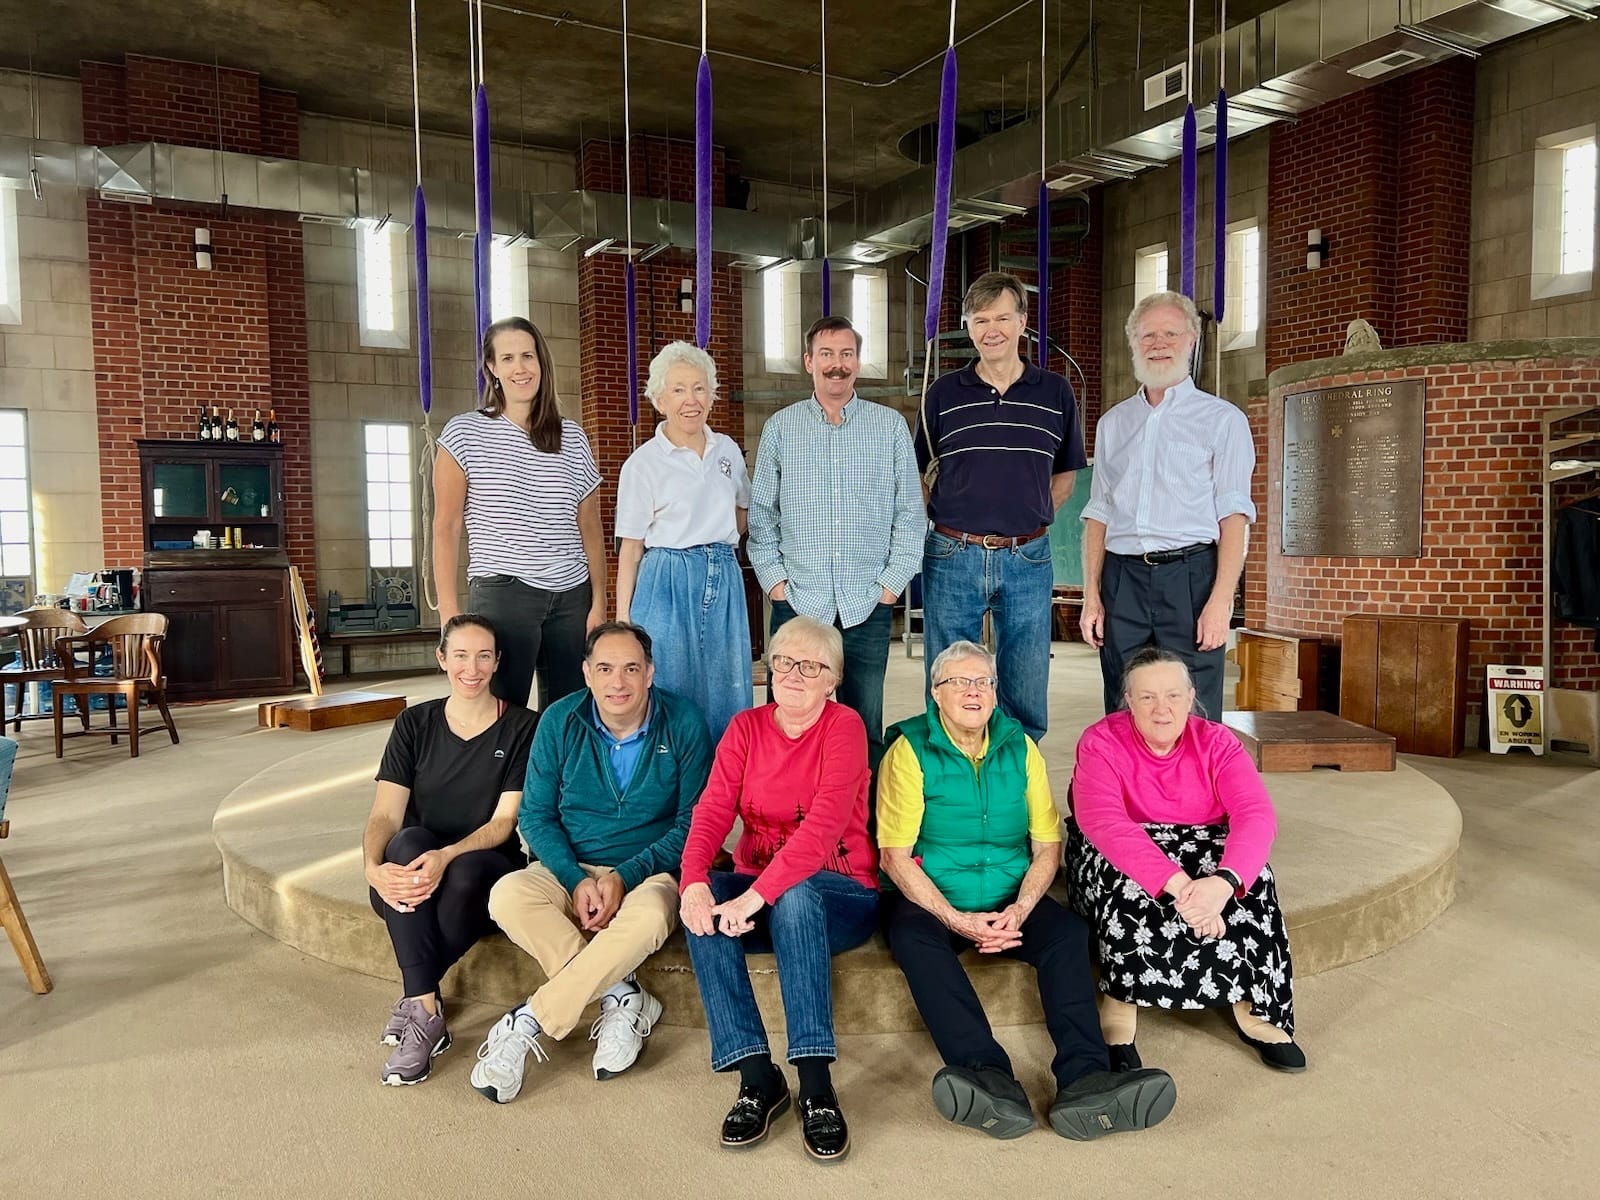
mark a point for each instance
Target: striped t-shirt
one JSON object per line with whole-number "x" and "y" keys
{"x": 522, "y": 504}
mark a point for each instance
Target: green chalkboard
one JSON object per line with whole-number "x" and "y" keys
{"x": 1066, "y": 532}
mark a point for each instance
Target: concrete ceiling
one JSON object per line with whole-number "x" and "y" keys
{"x": 553, "y": 83}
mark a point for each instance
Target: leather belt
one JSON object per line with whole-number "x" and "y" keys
{"x": 1156, "y": 558}
{"x": 991, "y": 541}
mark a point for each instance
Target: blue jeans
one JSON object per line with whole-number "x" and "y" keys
{"x": 961, "y": 582}
{"x": 866, "y": 659}
{"x": 691, "y": 603}
{"x": 812, "y": 921}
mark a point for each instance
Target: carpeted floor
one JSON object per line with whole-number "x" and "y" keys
{"x": 185, "y": 1054}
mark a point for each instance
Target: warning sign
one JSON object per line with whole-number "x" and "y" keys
{"x": 1515, "y": 708}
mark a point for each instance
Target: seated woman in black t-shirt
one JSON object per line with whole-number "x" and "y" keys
{"x": 442, "y": 831}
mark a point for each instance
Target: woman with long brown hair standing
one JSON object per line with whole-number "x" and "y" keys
{"x": 521, "y": 480}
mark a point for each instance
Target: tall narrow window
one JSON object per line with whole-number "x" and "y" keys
{"x": 1563, "y": 213}
{"x": 1149, "y": 271}
{"x": 774, "y": 316}
{"x": 1241, "y": 317}
{"x": 390, "y": 524}
{"x": 508, "y": 281}
{"x": 16, "y": 500}
{"x": 869, "y": 313}
{"x": 381, "y": 286}
{"x": 10, "y": 275}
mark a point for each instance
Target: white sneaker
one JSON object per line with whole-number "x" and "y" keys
{"x": 620, "y": 1030}
{"x": 498, "y": 1072}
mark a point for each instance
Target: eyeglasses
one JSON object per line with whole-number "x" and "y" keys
{"x": 782, "y": 664}
{"x": 984, "y": 683}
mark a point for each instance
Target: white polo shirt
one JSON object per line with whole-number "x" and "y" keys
{"x": 672, "y": 497}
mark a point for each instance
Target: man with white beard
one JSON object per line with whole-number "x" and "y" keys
{"x": 1169, "y": 510}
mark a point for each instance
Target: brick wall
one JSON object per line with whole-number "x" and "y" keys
{"x": 169, "y": 338}
{"x": 1481, "y": 549}
{"x": 660, "y": 168}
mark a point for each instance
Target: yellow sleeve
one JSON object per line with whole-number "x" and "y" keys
{"x": 899, "y": 796}
{"x": 1044, "y": 822}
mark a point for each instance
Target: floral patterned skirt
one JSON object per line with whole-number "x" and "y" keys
{"x": 1150, "y": 957}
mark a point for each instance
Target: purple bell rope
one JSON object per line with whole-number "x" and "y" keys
{"x": 702, "y": 204}
{"x": 944, "y": 166}
{"x": 1186, "y": 205}
{"x": 481, "y": 185}
{"x": 633, "y": 343}
{"x": 419, "y": 231}
{"x": 1219, "y": 290}
{"x": 1042, "y": 316}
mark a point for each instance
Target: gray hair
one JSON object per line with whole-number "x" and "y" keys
{"x": 678, "y": 354}
{"x": 959, "y": 650}
{"x": 1151, "y": 656}
{"x": 825, "y": 638}
{"x": 1177, "y": 300}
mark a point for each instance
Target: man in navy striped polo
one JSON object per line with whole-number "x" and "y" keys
{"x": 1003, "y": 441}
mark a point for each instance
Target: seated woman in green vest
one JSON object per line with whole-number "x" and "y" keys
{"x": 971, "y": 841}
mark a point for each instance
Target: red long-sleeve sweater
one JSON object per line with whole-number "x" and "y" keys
{"x": 803, "y": 802}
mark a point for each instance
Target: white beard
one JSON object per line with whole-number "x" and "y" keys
{"x": 1160, "y": 375}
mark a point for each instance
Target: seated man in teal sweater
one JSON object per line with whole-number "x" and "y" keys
{"x": 613, "y": 776}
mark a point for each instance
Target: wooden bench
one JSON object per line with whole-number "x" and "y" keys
{"x": 1066, "y": 609}
{"x": 1299, "y": 741}
{"x": 376, "y": 637}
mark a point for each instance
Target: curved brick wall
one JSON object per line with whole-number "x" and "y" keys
{"x": 1481, "y": 548}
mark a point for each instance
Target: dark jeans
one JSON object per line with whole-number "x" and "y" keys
{"x": 866, "y": 659}
{"x": 1055, "y": 943}
{"x": 430, "y": 939}
{"x": 1159, "y": 606}
{"x": 534, "y": 629}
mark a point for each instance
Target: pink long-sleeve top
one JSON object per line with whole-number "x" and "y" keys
{"x": 803, "y": 802}
{"x": 1120, "y": 785}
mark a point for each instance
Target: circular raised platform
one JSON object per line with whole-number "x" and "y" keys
{"x": 1363, "y": 862}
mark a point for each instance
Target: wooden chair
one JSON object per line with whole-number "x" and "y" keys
{"x": 10, "y": 907}
{"x": 136, "y": 673}
{"x": 36, "y": 631}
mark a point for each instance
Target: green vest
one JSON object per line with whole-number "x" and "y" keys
{"x": 974, "y": 837}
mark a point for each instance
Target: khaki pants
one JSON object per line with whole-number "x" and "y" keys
{"x": 536, "y": 913}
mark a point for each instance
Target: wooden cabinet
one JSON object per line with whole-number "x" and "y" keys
{"x": 230, "y": 621}
{"x": 1278, "y": 672}
{"x": 1407, "y": 676}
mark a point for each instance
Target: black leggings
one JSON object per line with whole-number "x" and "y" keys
{"x": 432, "y": 937}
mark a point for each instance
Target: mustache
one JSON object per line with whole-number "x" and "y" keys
{"x": 837, "y": 373}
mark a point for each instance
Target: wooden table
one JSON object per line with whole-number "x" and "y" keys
{"x": 377, "y": 637}
{"x": 1299, "y": 741}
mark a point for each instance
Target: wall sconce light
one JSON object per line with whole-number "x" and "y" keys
{"x": 686, "y": 295}
{"x": 202, "y": 249}
{"x": 1316, "y": 249}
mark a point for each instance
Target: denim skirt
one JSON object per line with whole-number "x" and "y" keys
{"x": 691, "y": 603}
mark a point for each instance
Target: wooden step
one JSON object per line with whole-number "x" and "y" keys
{"x": 1299, "y": 741}
{"x": 332, "y": 711}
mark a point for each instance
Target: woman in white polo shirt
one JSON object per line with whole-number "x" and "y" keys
{"x": 681, "y": 505}
{"x": 522, "y": 480}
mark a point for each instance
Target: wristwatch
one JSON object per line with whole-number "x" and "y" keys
{"x": 1231, "y": 876}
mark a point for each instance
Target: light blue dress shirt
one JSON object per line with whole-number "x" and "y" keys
{"x": 625, "y": 752}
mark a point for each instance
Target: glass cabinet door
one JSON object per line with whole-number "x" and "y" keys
{"x": 178, "y": 489}
{"x": 246, "y": 489}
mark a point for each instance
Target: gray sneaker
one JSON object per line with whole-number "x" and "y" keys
{"x": 398, "y": 1016}
{"x": 422, "y": 1038}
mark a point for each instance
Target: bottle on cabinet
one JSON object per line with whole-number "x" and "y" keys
{"x": 203, "y": 430}
{"x": 274, "y": 434}
{"x": 258, "y": 431}
{"x": 231, "y": 430}
{"x": 216, "y": 424}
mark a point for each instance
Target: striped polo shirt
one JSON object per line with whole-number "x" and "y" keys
{"x": 998, "y": 453}
{"x": 522, "y": 504}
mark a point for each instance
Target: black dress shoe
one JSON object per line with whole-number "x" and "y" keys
{"x": 822, "y": 1128}
{"x": 752, "y": 1116}
{"x": 1110, "y": 1102}
{"x": 1280, "y": 1056}
{"x": 1124, "y": 1056}
{"x": 983, "y": 1098}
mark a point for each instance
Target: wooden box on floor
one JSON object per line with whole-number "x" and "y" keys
{"x": 1278, "y": 672}
{"x": 1299, "y": 741}
{"x": 1407, "y": 676}
{"x": 333, "y": 711}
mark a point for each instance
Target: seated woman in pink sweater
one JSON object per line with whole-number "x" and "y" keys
{"x": 804, "y": 884}
{"x": 1167, "y": 862}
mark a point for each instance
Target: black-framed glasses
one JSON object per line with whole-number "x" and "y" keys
{"x": 984, "y": 683}
{"x": 782, "y": 664}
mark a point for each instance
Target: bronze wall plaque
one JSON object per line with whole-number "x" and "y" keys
{"x": 1352, "y": 470}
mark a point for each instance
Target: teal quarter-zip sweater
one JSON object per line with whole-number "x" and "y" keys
{"x": 572, "y": 810}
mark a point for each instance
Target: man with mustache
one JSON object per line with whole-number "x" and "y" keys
{"x": 1004, "y": 439}
{"x": 836, "y": 518}
{"x": 1169, "y": 510}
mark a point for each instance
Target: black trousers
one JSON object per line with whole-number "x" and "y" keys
{"x": 1159, "y": 606}
{"x": 1055, "y": 942}
{"x": 534, "y": 629}
{"x": 430, "y": 939}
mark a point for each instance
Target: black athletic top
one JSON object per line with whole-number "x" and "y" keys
{"x": 456, "y": 784}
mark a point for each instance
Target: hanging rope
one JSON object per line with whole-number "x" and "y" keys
{"x": 629, "y": 283}
{"x": 1042, "y": 316}
{"x": 481, "y": 185}
{"x": 1219, "y": 292}
{"x": 702, "y": 193}
{"x": 1186, "y": 204}
{"x": 827, "y": 287}
{"x": 419, "y": 235}
{"x": 943, "y": 166}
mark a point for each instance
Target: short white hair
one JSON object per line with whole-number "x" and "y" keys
{"x": 1177, "y": 300}
{"x": 824, "y": 638}
{"x": 956, "y": 651}
{"x": 678, "y": 354}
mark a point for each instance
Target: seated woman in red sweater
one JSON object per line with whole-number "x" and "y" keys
{"x": 804, "y": 884}
{"x": 1167, "y": 862}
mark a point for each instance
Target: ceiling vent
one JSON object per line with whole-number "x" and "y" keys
{"x": 1389, "y": 62}
{"x": 1067, "y": 183}
{"x": 1167, "y": 86}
